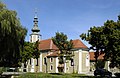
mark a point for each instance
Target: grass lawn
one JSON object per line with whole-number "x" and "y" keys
{"x": 53, "y": 75}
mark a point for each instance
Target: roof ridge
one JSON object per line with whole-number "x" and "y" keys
{"x": 46, "y": 39}
{"x": 76, "y": 39}
{"x": 83, "y": 43}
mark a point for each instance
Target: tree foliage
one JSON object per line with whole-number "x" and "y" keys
{"x": 61, "y": 41}
{"x": 36, "y": 52}
{"x": 12, "y": 35}
{"x": 105, "y": 39}
{"x": 27, "y": 52}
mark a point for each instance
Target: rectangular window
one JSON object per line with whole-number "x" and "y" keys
{"x": 45, "y": 60}
{"x": 30, "y": 61}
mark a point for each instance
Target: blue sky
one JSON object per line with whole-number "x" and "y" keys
{"x": 71, "y": 17}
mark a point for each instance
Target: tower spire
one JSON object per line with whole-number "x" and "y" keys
{"x": 35, "y": 30}
{"x": 35, "y": 27}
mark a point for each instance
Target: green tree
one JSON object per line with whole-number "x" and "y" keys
{"x": 105, "y": 39}
{"x": 12, "y": 35}
{"x": 30, "y": 50}
{"x": 61, "y": 41}
{"x": 26, "y": 53}
{"x": 95, "y": 38}
{"x": 36, "y": 52}
{"x": 101, "y": 64}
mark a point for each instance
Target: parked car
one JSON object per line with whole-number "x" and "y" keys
{"x": 102, "y": 72}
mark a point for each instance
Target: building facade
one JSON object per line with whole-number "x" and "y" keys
{"x": 49, "y": 56}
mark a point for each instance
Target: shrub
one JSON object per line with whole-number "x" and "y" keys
{"x": 2, "y": 69}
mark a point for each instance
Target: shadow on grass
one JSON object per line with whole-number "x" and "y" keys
{"x": 56, "y": 73}
{"x": 85, "y": 76}
{"x": 93, "y": 77}
{"x": 73, "y": 75}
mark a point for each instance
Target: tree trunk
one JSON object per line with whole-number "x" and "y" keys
{"x": 37, "y": 62}
{"x": 24, "y": 69}
{"x": 37, "y": 66}
{"x": 96, "y": 58}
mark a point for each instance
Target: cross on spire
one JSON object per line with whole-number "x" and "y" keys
{"x": 35, "y": 13}
{"x": 35, "y": 27}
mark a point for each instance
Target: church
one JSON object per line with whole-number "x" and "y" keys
{"x": 48, "y": 61}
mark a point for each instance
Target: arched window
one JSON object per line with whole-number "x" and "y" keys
{"x": 51, "y": 67}
{"x": 51, "y": 59}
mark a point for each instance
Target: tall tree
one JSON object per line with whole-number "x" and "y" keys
{"x": 105, "y": 39}
{"x": 36, "y": 52}
{"x": 30, "y": 50}
{"x": 26, "y": 53}
{"x": 61, "y": 41}
{"x": 12, "y": 35}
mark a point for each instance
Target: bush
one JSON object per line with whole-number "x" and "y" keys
{"x": 2, "y": 69}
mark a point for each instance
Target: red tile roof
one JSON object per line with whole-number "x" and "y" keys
{"x": 92, "y": 56}
{"x": 79, "y": 44}
{"x": 49, "y": 45}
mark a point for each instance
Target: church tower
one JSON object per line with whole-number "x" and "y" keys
{"x": 35, "y": 30}
{"x": 34, "y": 37}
